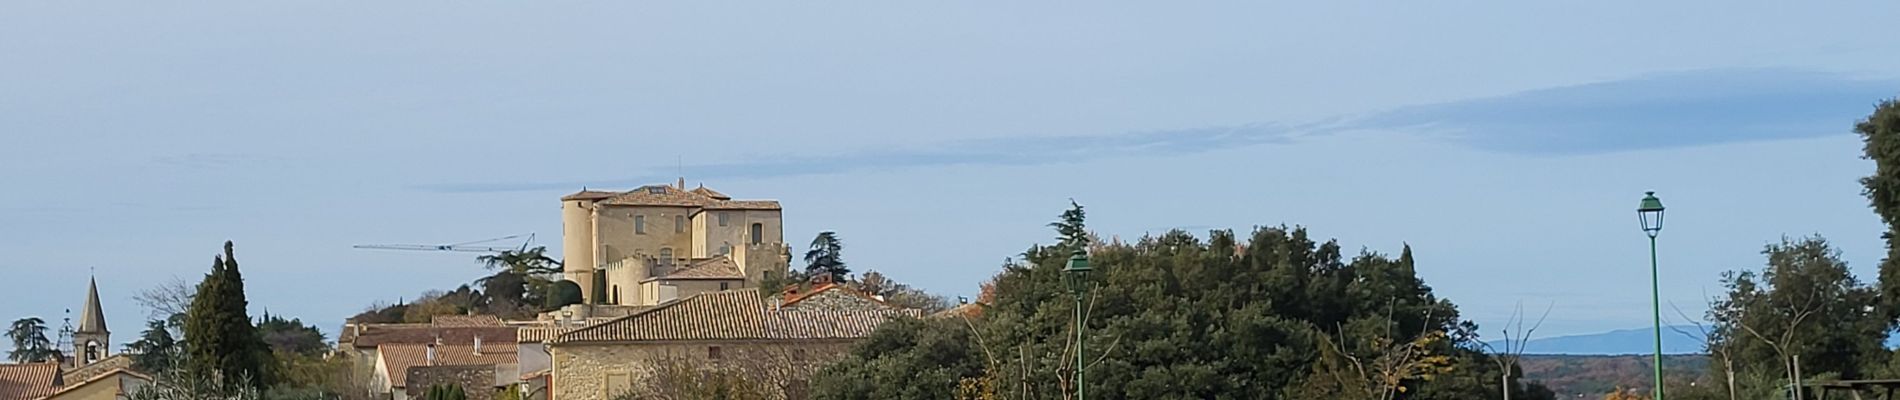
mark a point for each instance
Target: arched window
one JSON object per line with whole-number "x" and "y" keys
{"x": 666, "y": 255}
{"x": 758, "y": 233}
{"x": 92, "y": 351}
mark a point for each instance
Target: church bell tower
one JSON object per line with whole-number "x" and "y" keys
{"x": 91, "y": 341}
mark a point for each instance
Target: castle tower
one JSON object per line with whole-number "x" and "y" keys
{"x": 91, "y": 341}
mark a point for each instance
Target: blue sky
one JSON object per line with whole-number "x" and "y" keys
{"x": 1506, "y": 142}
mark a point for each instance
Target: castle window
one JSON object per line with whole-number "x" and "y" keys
{"x": 722, "y": 218}
{"x": 714, "y": 353}
{"x": 616, "y": 294}
{"x": 679, "y": 224}
{"x": 758, "y": 233}
{"x": 725, "y": 249}
{"x": 723, "y": 285}
{"x": 666, "y": 255}
{"x": 640, "y": 224}
{"x": 656, "y": 189}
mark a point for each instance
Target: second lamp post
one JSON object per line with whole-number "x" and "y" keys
{"x": 1651, "y": 213}
{"x": 1077, "y": 273}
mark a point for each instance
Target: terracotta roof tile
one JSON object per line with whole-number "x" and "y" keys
{"x": 720, "y": 267}
{"x": 75, "y": 384}
{"x": 538, "y": 334}
{"x": 743, "y": 205}
{"x": 714, "y": 194}
{"x": 795, "y": 298}
{"x": 29, "y": 381}
{"x": 658, "y": 195}
{"x": 465, "y": 320}
{"x": 397, "y": 358}
{"x": 589, "y": 195}
{"x": 731, "y": 315}
{"x": 424, "y": 334}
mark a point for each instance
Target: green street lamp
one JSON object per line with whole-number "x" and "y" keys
{"x": 1077, "y": 275}
{"x": 1651, "y": 214}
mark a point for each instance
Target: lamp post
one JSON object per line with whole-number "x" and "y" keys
{"x": 1077, "y": 273}
{"x": 1651, "y": 214}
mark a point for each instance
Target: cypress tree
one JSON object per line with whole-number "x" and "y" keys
{"x": 221, "y": 337}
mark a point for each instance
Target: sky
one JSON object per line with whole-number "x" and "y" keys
{"x": 1506, "y": 142}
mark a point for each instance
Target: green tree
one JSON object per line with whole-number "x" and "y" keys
{"x": 156, "y": 350}
{"x": 291, "y": 336}
{"x": 29, "y": 341}
{"x": 1881, "y": 134}
{"x": 445, "y": 392}
{"x": 826, "y": 257}
{"x": 520, "y": 281}
{"x": 222, "y": 342}
{"x": 899, "y": 294}
{"x": 561, "y": 294}
{"x": 1804, "y": 302}
{"x": 1176, "y": 316}
{"x": 1071, "y": 229}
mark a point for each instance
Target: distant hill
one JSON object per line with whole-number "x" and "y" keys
{"x": 1590, "y": 377}
{"x": 1627, "y": 341}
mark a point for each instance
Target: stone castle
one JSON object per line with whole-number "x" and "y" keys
{"x": 662, "y": 242}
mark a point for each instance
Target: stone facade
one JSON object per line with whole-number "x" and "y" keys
{"x": 476, "y": 380}
{"x": 617, "y": 239}
{"x": 599, "y": 371}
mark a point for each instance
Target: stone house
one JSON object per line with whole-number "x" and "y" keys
{"x": 383, "y": 353}
{"x": 624, "y": 248}
{"x": 114, "y": 384}
{"x": 739, "y": 330}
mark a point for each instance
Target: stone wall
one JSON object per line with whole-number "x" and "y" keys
{"x": 476, "y": 380}
{"x": 598, "y": 371}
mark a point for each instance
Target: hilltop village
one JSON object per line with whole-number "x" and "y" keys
{"x": 669, "y": 279}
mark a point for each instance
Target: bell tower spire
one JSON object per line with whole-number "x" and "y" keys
{"x": 92, "y": 340}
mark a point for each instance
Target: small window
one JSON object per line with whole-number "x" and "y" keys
{"x": 666, "y": 255}
{"x": 725, "y": 249}
{"x": 713, "y": 353}
{"x": 758, "y": 233}
{"x": 725, "y": 285}
{"x": 679, "y": 224}
{"x": 616, "y": 294}
{"x": 640, "y": 224}
{"x": 656, "y": 189}
{"x": 723, "y": 216}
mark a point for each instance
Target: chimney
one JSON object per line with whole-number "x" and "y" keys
{"x": 478, "y": 345}
{"x": 431, "y": 354}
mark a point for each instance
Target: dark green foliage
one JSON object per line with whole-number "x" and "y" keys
{"x": 521, "y": 281}
{"x": 445, "y": 392}
{"x": 1177, "y": 317}
{"x": 29, "y": 341}
{"x": 826, "y": 257}
{"x": 1071, "y": 229}
{"x": 291, "y": 336}
{"x": 1804, "y": 302}
{"x": 222, "y": 340}
{"x": 1881, "y": 134}
{"x": 156, "y": 350}
{"x": 561, "y": 294}
{"x": 936, "y": 351}
{"x": 378, "y": 314}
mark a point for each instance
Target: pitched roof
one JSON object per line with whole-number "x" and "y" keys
{"x": 669, "y": 195}
{"x": 731, "y": 315}
{"x": 703, "y": 191}
{"x": 101, "y": 376}
{"x": 720, "y": 267}
{"x": 397, "y": 358}
{"x": 538, "y": 334}
{"x": 373, "y": 336}
{"x": 658, "y": 195}
{"x": 743, "y": 205}
{"x": 465, "y": 320}
{"x": 92, "y": 319}
{"x": 588, "y": 195}
{"x": 793, "y": 297}
{"x": 29, "y": 381}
